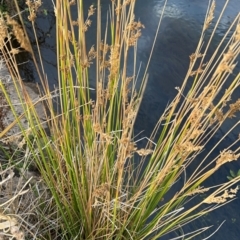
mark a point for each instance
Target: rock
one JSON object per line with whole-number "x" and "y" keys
{"x": 8, "y": 117}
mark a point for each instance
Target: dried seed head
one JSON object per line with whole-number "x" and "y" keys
{"x": 195, "y": 133}
{"x": 86, "y": 63}
{"x": 104, "y": 47}
{"x": 226, "y": 156}
{"x": 218, "y": 113}
{"x": 32, "y": 16}
{"x": 134, "y": 29}
{"x": 87, "y": 22}
{"x": 234, "y": 107}
{"x": 227, "y": 57}
{"x": 144, "y": 152}
{"x": 114, "y": 62}
{"x": 33, "y": 8}
{"x": 91, "y": 11}
{"x": 198, "y": 71}
{"x": 92, "y": 54}
{"x": 3, "y": 31}
{"x": 194, "y": 56}
{"x": 14, "y": 51}
{"x": 75, "y": 23}
{"x": 187, "y": 147}
{"x": 210, "y": 16}
{"x": 131, "y": 149}
{"x": 97, "y": 128}
{"x": 101, "y": 190}
{"x": 228, "y": 194}
{"x": 19, "y": 34}
{"x": 224, "y": 67}
{"x": 118, "y": 9}
{"x": 198, "y": 190}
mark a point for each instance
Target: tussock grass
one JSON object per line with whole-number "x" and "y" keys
{"x": 89, "y": 160}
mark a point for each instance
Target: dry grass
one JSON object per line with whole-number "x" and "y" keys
{"x": 89, "y": 161}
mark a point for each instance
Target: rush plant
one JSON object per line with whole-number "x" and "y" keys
{"x": 102, "y": 184}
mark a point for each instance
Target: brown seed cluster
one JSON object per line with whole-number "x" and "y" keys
{"x": 135, "y": 33}
{"x": 114, "y": 64}
{"x": 226, "y": 65}
{"x": 199, "y": 70}
{"x": 102, "y": 190}
{"x": 226, "y": 156}
{"x": 3, "y": 31}
{"x": 88, "y": 22}
{"x": 228, "y": 194}
{"x": 19, "y": 34}
{"x": 233, "y": 108}
{"x": 33, "y": 6}
{"x": 210, "y": 16}
{"x": 144, "y": 152}
{"x": 187, "y": 147}
{"x": 194, "y": 56}
{"x": 198, "y": 190}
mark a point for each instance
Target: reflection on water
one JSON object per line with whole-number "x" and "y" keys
{"x": 178, "y": 38}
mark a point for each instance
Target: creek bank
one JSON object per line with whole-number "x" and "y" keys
{"x": 16, "y": 181}
{"x": 33, "y": 93}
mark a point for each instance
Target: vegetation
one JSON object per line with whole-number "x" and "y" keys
{"x": 233, "y": 174}
{"x": 97, "y": 183}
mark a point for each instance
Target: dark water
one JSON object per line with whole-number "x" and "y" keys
{"x": 177, "y": 39}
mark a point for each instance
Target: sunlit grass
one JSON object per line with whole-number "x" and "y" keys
{"x": 89, "y": 160}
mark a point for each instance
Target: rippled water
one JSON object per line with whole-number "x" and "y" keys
{"x": 177, "y": 39}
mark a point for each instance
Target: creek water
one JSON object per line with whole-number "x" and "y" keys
{"x": 176, "y": 41}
